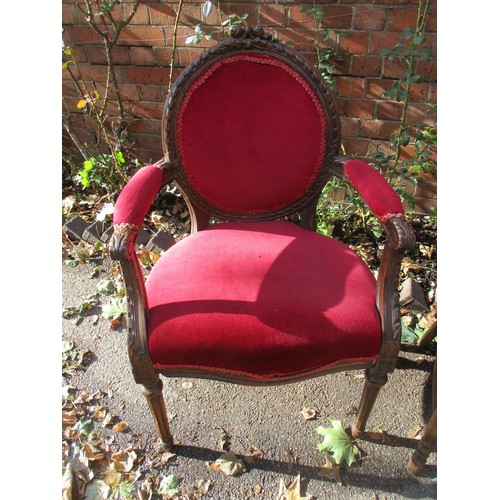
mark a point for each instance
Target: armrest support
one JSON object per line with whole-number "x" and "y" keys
{"x": 386, "y": 205}
{"x": 376, "y": 192}
{"x": 130, "y": 209}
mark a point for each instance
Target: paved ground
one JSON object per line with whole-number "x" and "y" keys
{"x": 264, "y": 418}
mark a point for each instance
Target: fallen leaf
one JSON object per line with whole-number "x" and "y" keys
{"x": 330, "y": 470}
{"x": 120, "y": 427}
{"x": 257, "y": 489}
{"x": 414, "y": 431}
{"x": 165, "y": 457}
{"x": 124, "y": 460}
{"x": 168, "y": 485}
{"x": 254, "y": 454}
{"x": 381, "y": 436}
{"x": 352, "y": 410}
{"x": 229, "y": 464}
{"x": 308, "y": 413}
{"x": 84, "y": 397}
{"x": 93, "y": 453}
{"x": 97, "y": 490}
{"x": 67, "y": 483}
{"x": 68, "y": 418}
{"x": 290, "y": 459}
{"x": 337, "y": 443}
{"x": 292, "y": 492}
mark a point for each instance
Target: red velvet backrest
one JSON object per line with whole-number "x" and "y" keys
{"x": 251, "y": 133}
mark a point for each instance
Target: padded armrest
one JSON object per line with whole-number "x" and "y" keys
{"x": 374, "y": 189}
{"x": 136, "y": 197}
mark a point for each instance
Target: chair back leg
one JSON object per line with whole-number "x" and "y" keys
{"x": 426, "y": 445}
{"x": 156, "y": 404}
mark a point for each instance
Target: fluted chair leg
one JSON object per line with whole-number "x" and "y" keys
{"x": 372, "y": 387}
{"x": 154, "y": 396}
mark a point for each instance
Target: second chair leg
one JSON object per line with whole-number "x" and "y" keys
{"x": 370, "y": 392}
{"x": 156, "y": 403}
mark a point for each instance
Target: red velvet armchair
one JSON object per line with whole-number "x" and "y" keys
{"x": 251, "y": 134}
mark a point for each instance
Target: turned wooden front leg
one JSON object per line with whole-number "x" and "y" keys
{"x": 154, "y": 396}
{"x": 372, "y": 387}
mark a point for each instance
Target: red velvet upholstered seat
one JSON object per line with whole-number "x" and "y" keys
{"x": 265, "y": 299}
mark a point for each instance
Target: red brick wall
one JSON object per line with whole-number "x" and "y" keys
{"x": 143, "y": 55}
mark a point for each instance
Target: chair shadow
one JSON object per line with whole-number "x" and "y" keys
{"x": 353, "y": 476}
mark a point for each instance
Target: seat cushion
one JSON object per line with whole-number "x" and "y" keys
{"x": 263, "y": 299}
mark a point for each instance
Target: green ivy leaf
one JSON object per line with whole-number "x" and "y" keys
{"x": 115, "y": 308}
{"x": 337, "y": 443}
{"x": 207, "y": 8}
{"x": 168, "y": 485}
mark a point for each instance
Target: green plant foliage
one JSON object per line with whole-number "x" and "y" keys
{"x": 116, "y": 308}
{"x": 338, "y": 444}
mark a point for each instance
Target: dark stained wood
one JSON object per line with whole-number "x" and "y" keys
{"x": 425, "y": 446}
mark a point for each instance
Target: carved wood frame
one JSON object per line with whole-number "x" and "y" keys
{"x": 400, "y": 236}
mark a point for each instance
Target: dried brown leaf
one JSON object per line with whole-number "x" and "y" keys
{"x": 120, "y": 427}
{"x": 292, "y": 492}
{"x": 229, "y": 464}
{"x": 308, "y": 413}
{"x": 124, "y": 460}
{"x": 330, "y": 471}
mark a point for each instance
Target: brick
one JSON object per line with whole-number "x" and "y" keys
{"x": 360, "y": 108}
{"x": 420, "y": 113}
{"x": 96, "y": 55}
{"x": 337, "y": 16}
{"x": 400, "y": 18}
{"x": 187, "y": 55}
{"x": 426, "y": 190}
{"x": 418, "y": 92}
{"x": 129, "y": 92}
{"x": 105, "y": 237}
{"x": 388, "y": 110}
{"x": 75, "y": 228}
{"x": 369, "y": 18}
{"x": 93, "y": 233}
{"x": 349, "y": 126}
{"x": 354, "y": 42}
{"x": 356, "y": 146}
{"x": 425, "y": 205}
{"x": 146, "y": 141}
{"x": 148, "y": 109}
{"x": 296, "y": 38}
{"x": 152, "y": 93}
{"x": 142, "y": 36}
{"x": 146, "y": 75}
{"x": 380, "y": 40}
{"x": 297, "y": 19}
{"x": 94, "y": 72}
{"x": 142, "y": 56}
{"x": 348, "y": 86}
{"x": 366, "y": 65}
{"x": 377, "y": 129}
{"x": 163, "y": 56}
{"x": 272, "y": 15}
{"x": 412, "y": 296}
{"x": 69, "y": 15}
{"x": 427, "y": 68}
{"x": 142, "y": 238}
{"x": 375, "y": 87}
{"x": 394, "y": 69}
{"x": 160, "y": 242}
{"x": 141, "y": 15}
{"x": 84, "y": 34}
{"x": 432, "y": 97}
